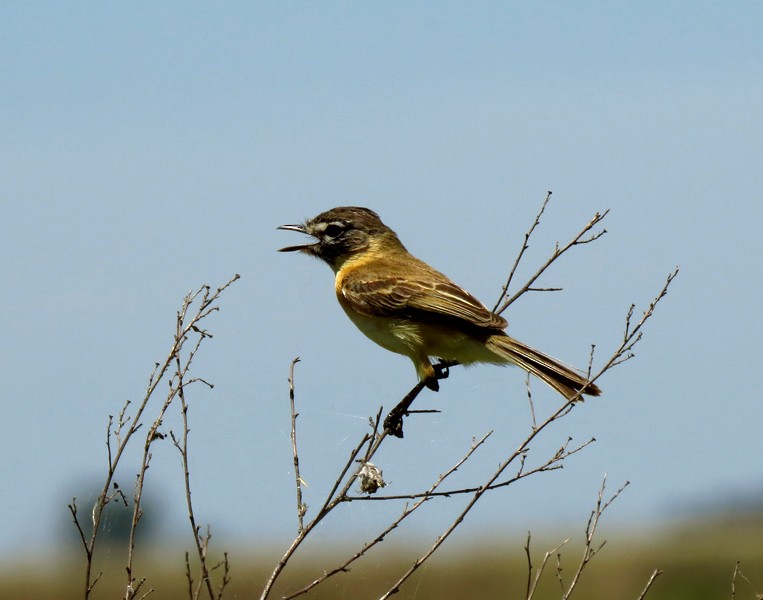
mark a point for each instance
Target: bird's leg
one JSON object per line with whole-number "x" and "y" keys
{"x": 442, "y": 368}
{"x": 437, "y": 371}
{"x": 393, "y": 424}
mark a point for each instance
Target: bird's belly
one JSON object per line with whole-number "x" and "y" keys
{"x": 419, "y": 340}
{"x": 395, "y": 335}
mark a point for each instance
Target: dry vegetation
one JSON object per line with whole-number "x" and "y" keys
{"x": 526, "y": 568}
{"x": 698, "y": 559}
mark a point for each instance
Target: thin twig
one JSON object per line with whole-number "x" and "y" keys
{"x": 532, "y": 582}
{"x": 734, "y": 580}
{"x": 589, "y": 551}
{"x": 301, "y": 506}
{"x": 225, "y": 564}
{"x": 407, "y": 511}
{"x": 528, "y": 593}
{"x": 393, "y": 425}
{"x": 201, "y": 542}
{"x": 655, "y": 574}
{"x": 631, "y": 337}
{"x": 177, "y": 385}
{"x": 189, "y": 577}
{"x": 578, "y": 240}
{"x": 128, "y": 425}
{"x": 475, "y": 498}
{"x": 332, "y": 499}
{"x": 525, "y": 246}
{"x": 738, "y": 573}
{"x": 551, "y": 464}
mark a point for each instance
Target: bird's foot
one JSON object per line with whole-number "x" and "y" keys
{"x": 393, "y": 424}
{"x": 440, "y": 370}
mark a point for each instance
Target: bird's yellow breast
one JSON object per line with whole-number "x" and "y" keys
{"x": 415, "y": 338}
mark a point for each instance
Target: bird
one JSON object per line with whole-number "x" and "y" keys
{"x": 408, "y": 307}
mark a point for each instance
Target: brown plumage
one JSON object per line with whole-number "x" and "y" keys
{"x": 408, "y": 307}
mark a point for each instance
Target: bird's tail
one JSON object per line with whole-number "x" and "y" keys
{"x": 563, "y": 378}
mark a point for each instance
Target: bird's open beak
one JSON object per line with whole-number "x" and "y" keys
{"x": 301, "y": 229}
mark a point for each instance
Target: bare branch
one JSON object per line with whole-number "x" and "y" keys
{"x": 532, "y": 582}
{"x": 189, "y": 577}
{"x": 73, "y": 510}
{"x": 225, "y": 565}
{"x": 528, "y": 589}
{"x": 589, "y": 550}
{"x": 632, "y": 335}
{"x": 655, "y": 574}
{"x": 301, "y": 506}
{"x": 500, "y": 478}
{"x": 631, "y": 338}
{"x": 407, "y": 511}
{"x": 332, "y": 500}
{"x": 459, "y": 519}
{"x": 551, "y": 464}
{"x": 374, "y": 433}
{"x": 127, "y": 425}
{"x": 578, "y": 240}
{"x": 738, "y": 573}
{"x": 525, "y": 246}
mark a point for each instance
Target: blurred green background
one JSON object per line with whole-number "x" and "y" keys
{"x": 697, "y": 556}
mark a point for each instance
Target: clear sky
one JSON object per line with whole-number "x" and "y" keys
{"x": 149, "y": 148}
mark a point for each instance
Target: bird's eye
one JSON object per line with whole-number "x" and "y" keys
{"x": 333, "y": 229}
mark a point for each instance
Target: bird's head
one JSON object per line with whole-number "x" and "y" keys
{"x": 340, "y": 233}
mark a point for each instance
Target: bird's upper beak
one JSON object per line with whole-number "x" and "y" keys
{"x": 301, "y": 229}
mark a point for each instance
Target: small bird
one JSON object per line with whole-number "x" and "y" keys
{"x": 407, "y": 307}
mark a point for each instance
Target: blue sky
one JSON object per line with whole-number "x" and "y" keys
{"x": 148, "y": 149}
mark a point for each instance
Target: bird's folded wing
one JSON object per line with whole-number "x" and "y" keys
{"x": 419, "y": 299}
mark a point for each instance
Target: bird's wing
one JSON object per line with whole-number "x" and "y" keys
{"x": 420, "y": 298}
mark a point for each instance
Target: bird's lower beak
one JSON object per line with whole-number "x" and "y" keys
{"x": 301, "y": 229}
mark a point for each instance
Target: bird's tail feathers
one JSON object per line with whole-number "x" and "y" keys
{"x": 564, "y": 379}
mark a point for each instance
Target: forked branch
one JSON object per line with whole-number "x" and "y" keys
{"x": 516, "y": 460}
{"x": 119, "y": 433}
{"x": 504, "y": 300}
